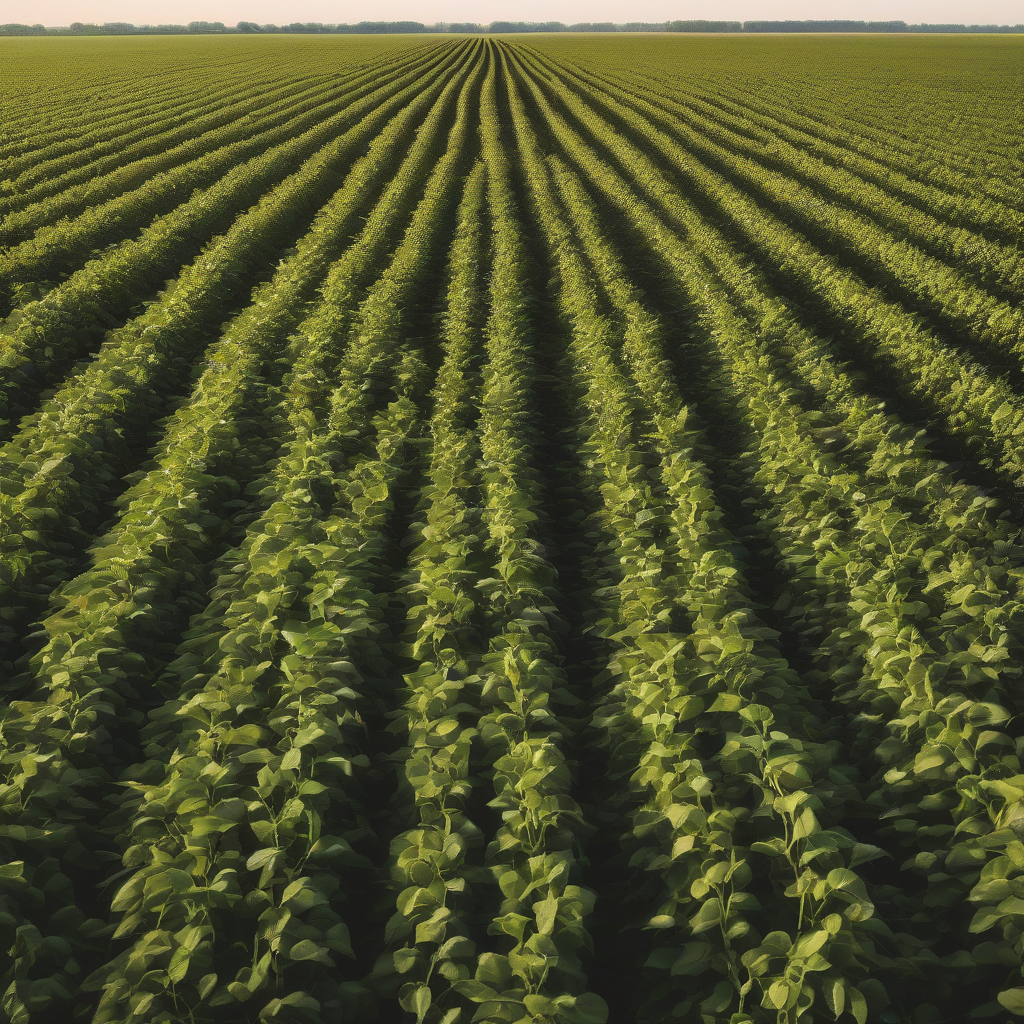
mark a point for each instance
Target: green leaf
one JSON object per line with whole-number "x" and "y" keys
{"x": 727, "y": 702}
{"x": 805, "y": 825}
{"x": 296, "y": 1000}
{"x": 547, "y": 913}
{"x": 757, "y": 713}
{"x": 493, "y": 970}
{"x": 313, "y": 639}
{"x": 421, "y": 1002}
{"x": 307, "y": 949}
{"x": 778, "y": 994}
{"x": 721, "y": 999}
{"x": 984, "y": 919}
{"x": 661, "y": 921}
{"x": 770, "y": 847}
{"x": 475, "y": 991}
{"x": 538, "y": 1005}
{"x": 707, "y": 917}
{"x": 591, "y": 1009}
{"x": 178, "y": 967}
{"x": 405, "y": 959}
{"x": 863, "y": 852}
{"x": 987, "y": 714}
{"x": 261, "y": 858}
{"x": 835, "y": 995}
{"x": 695, "y": 959}
{"x": 810, "y": 943}
{"x": 833, "y": 924}
{"x": 457, "y": 946}
{"x": 239, "y": 991}
{"x": 858, "y": 1004}
{"x": 1012, "y": 999}
{"x": 1004, "y": 412}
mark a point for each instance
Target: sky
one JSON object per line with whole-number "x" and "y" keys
{"x": 153, "y": 12}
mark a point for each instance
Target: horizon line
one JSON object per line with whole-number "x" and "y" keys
{"x": 499, "y": 27}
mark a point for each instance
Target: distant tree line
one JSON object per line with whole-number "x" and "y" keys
{"x": 120, "y": 28}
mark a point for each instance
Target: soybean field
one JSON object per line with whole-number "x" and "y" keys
{"x": 512, "y": 529}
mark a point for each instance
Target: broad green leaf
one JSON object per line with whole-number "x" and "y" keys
{"x": 1012, "y": 999}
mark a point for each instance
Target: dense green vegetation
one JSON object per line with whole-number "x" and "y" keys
{"x": 511, "y": 531}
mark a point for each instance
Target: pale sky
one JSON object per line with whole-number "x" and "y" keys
{"x": 63, "y": 12}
